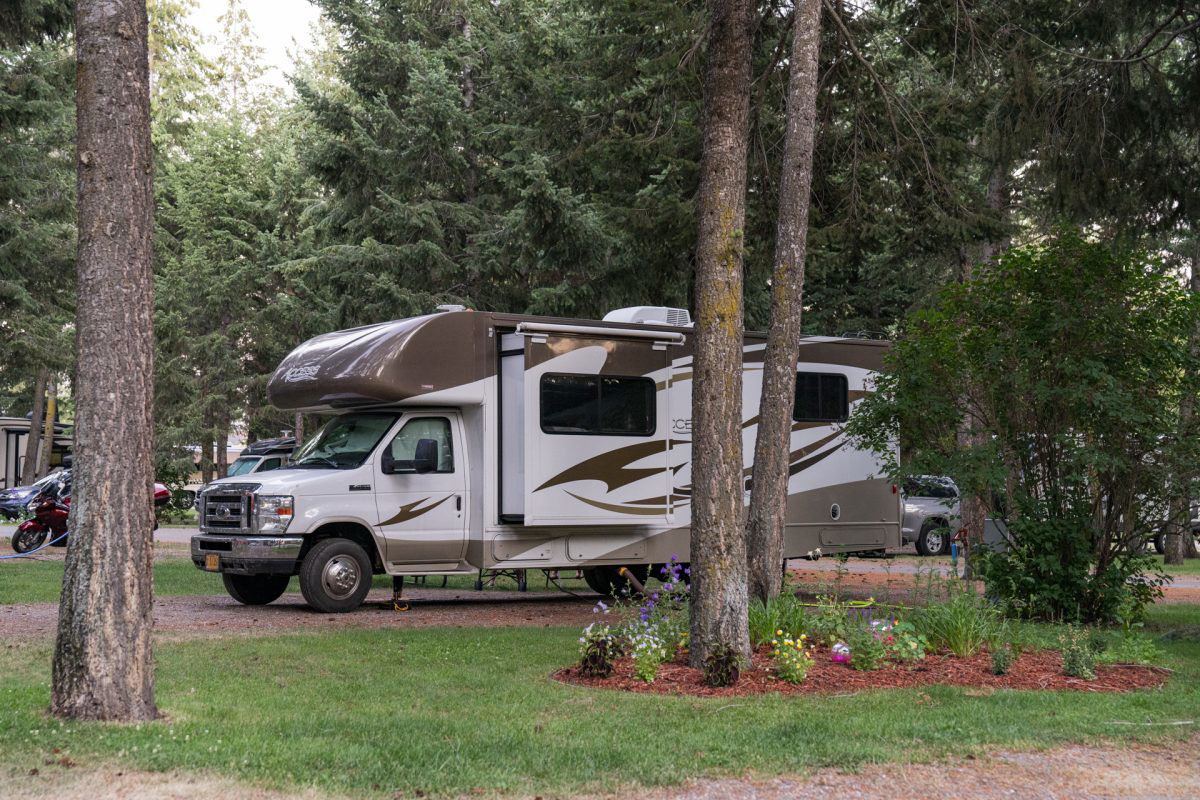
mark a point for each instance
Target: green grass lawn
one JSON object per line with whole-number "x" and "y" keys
{"x": 441, "y": 711}
{"x": 32, "y": 581}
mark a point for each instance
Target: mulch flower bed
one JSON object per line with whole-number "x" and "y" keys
{"x": 1034, "y": 669}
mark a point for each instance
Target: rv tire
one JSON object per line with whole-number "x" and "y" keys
{"x": 609, "y": 582}
{"x": 255, "y": 590}
{"x": 934, "y": 539}
{"x": 335, "y": 576}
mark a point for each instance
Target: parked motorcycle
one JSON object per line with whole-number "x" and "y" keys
{"x": 52, "y": 507}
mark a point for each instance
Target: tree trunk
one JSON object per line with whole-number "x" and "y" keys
{"x": 103, "y": 657}
{"x": 223, "y": 449}
{"x": 206, "y": 449}
{"x": 772, "y": 448}
{"x": 1179, "y": 542}
{"x": 718, "y": 545}
{"x": 972, "y": 506}
{"x": 29, "y": 469}
{"x": 48, "y": 427}
{"x": 298, "y": 429}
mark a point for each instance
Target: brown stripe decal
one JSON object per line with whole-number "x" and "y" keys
{"x": 611, "y": 467}
{"x": 411, "y": 511}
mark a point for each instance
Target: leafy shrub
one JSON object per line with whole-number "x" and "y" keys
{"x": 1003, "y": 656}
{"x": 723, "y": 666}
{"x": 1078, "y": 654}
{"x": 1132, "y": 649}
{"x": 830, "y": 624}
{"x": 904, "y": 643}
{"x": 962, "y": 624}
{"x": 867, "y": 648}
{"x": 792, "y": 657}
{"x": 1070, "y": 356}
{"x": 598, "y": 650}
{"x": 1049, "y": 571}
{"x": 781, "y": 613}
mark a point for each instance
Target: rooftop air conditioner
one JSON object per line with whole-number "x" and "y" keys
{"x": 651, "y": 315}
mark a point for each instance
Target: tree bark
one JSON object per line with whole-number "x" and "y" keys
{"x": 29, "y": 468}
{"x": 718, "y": 545}
{"x": 298, "y": 429}
{"x": 47, "y": 448}
{"x": 103, "y": 657}
{"x": 772, "y": 448}
{"x": 223, "y": 449}
{"x": 973, "y": 506}
{"x": 1178, "y": 540}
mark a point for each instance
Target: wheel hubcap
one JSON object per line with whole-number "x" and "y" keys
{"x": 340, "y": 577}
{"x": 934, "y": 541}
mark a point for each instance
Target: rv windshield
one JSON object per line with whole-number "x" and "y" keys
{"x": 344, "y": 442}
{"x": 241, "y": 466}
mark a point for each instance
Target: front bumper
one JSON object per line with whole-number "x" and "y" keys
{"x": 247, "y": 555}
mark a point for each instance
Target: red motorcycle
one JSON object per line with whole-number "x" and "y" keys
{"x": 51, "y": 509}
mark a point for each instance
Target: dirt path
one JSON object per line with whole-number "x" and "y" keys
{"x": 193, "y": 616}
{"x": 1075, "y": 772}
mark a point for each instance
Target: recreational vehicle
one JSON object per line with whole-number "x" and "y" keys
{"x": 463, "y": 441}
{"x": 14, "y": 438}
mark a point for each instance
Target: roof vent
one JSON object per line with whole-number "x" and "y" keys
{"x": 651, "y": 315}
{"x": 450, "y": 307}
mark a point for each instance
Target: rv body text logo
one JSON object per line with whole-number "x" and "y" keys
{"x": 296, "y": 374}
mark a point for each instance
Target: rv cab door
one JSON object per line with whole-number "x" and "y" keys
{"x": 422, "y": 515}
{"x": 596, "y": 431}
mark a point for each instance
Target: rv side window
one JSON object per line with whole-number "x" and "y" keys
{"x": 404, "y": 446}
{"x": 605, "y": 405}
{"x": 821, "y": 398}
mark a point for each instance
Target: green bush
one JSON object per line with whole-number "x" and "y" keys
{"x": 1003, "y": 656}
{"x": 1078, "y": 653}
{"x": 962, "y": 624}
{"x": 867, "y": 649}
{"x": 829, "y": 623}
{"x": 1135, "y": 648}
{"x": 1069, "y": 359}
{"x": 781, "y": 613}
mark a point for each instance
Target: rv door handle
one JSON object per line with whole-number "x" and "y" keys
{"x": 458, "y": 502}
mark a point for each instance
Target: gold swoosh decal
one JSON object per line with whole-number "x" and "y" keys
{"x": 617, "y": 508}
{"x": 410, "y": 511}
{"x": 612, "y": 467}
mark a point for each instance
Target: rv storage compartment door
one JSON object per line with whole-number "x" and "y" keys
{"x": 596, "y": 430}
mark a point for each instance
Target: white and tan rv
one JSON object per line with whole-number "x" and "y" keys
{"x": 465, "y": 441}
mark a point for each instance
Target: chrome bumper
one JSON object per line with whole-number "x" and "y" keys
{"x": 246, "y": 554}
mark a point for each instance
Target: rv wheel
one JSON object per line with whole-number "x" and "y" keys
{"x": 1160, "y": 543}
{"x": 255, "y": 590}
{"x": 335, "y": 576}
{"x": 934, "y": 539}
{"x": 608, "y": 581}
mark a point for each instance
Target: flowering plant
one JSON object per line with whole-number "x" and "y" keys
{"x": 792, "y": 657}
{"x": 648, "y": 649}
{"x": 598, "y": 649}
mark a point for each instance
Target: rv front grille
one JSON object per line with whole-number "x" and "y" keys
{"x": 227, "y": 508}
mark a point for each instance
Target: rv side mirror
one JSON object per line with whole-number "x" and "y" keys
{"x": 387, "y": 464}
{"x": 427, "y": 456}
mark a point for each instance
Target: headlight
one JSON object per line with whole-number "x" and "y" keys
{"x": 272, "y": 513}
{"x": 31, "y": 506}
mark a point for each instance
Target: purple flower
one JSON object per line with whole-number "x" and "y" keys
{"x": 654, "y": 596}
{"x": 668, "y": 587}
